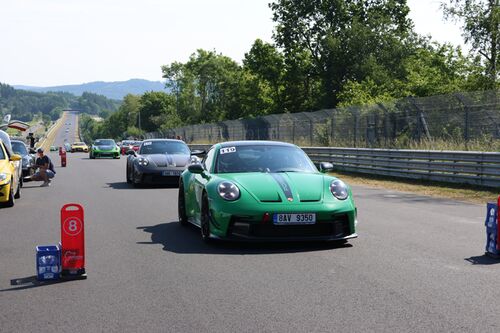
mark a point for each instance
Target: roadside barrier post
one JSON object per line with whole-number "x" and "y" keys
{"x": 72, "y": 241}
{"x": 492, "y": 234}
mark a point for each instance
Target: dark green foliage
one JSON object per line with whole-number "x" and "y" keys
{"x": 25, "y": 105}
{"x": 326, "y": 54}
{"x": 480, "y": 21}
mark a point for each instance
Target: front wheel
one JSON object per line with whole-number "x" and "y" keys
{"x": 181, "y": 206}
{"x": 10, "y": 202}
{"x": 136, "y": 182}
{"x": 205, "y": 220}
{"x": 18, "y": 191}
{"x": 128, "y": 177}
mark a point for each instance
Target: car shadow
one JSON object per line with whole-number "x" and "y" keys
{"x": 187, "y": 240}
{"x": 483, "y": 260}
{"x": 126, "y": 186}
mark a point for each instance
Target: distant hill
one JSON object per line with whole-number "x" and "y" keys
{"x": 113, "y": 90}
{"x": 26, "y": 105}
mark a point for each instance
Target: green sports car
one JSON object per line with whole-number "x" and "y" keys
{"x": 264, "y": 190}
{"x": 104, "y": 148}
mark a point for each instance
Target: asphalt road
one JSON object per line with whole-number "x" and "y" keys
{"x": 418, "y": 266}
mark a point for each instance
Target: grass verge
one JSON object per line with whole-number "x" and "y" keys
{"x": 466, "y": 193}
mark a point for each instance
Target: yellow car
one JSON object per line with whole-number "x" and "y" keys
{"x": 10, "y": 184}
{"x": 79, "y": 146}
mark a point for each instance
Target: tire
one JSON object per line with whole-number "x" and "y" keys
{"x": 137, "y": 184}
{"x": 17, "y": 195}
{"x": 181, "y": 206}
{"x": 10, "y": 202}
{"x": 205, "y": 220}
{"x": 128, "y": 177}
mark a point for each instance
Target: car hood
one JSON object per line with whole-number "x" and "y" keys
{"x": 164, "y": 160}
{"x": 281, "y": 187}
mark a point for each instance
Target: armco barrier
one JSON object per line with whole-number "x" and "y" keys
{"x": 462, "y": 167}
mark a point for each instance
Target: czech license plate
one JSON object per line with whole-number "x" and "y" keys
{"x": 294, "y": 218}
{"x": 171, "y": 173}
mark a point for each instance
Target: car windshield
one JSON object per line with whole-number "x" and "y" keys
{"x": 79, "y": 144}
{"x": 19, "y": 148}
{"x": 272, "y": 158}
{"x": 162, "y": 147}
{"x": 104, "y": 142}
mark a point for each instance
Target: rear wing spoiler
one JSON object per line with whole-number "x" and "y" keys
{"x": 15, "y": 124}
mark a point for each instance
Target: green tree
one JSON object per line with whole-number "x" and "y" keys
{"x": 481, "y": 29}
{"x": 157, "y": 110}
{"x": 345, "y": 40}
{"x": 264, "y": 66}
{"x": 205, "y": 88}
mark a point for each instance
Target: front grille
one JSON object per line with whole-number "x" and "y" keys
{"x": 158, "y": 179}
{"x": 336, "y": 227}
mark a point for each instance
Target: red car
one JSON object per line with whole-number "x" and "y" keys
{"x": 129, "y": 145}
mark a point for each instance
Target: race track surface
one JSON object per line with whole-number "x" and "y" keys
{"x": 417, "y": 266}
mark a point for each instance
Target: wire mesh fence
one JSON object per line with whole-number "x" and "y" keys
{"x": 461, "y": 118}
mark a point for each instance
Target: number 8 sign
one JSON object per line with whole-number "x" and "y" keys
{"x": 72, "y": 240}
{"x": 72, "y": 226}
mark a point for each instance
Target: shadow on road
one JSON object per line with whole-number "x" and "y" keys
{"x": 126, "y": 186}
{"x": 482, "y": 260}
{"x": 186, "y": 239}
{"x": 30, "y": 282}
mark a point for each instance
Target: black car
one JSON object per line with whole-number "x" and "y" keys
{"x": 28, "y": 156}
{"x": 159, "y": 161}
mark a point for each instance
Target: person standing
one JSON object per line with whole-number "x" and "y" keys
{"x": 45, "y": 169}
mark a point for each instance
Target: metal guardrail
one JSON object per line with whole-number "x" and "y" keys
{"x": 462, "y": 167}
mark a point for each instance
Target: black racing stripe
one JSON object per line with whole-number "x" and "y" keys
{"x": 284, "y": 185}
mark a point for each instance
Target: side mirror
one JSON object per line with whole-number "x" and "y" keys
{"x": 196, "y": 168}
{"x": 130, "y": 152}
{"x": 198, "y": 152}
{"x": 15, "y": 157}
{"x": 325, "y": 167}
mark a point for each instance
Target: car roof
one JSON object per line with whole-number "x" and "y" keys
{"x": 255, "y": 143}
{"x": 172, "y": 140}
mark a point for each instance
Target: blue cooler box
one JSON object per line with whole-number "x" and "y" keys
{"x": 48, "y": 262}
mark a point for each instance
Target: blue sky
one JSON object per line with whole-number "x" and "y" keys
{"x": 55, "y": 42}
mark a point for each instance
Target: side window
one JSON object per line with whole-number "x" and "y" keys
{"x": 207, "y": 161}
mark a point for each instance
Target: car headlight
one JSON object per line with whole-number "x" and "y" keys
{"x": 228, "y": 191}
{"x": 143, "y": 161}
{"x": 3, "y": 176}
{"x": 339, "y": 189}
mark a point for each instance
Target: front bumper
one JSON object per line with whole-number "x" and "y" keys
{"x": 28, "y": 171}
{"x": 336, "y": 228}
{"x": 157, "y": 177}
{"x": 335, "y": 220}
{"x": 114, "y": 154}
{"x": 4, "y": 192}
